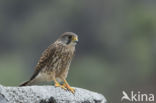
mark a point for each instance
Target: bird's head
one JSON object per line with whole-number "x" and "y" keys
{"x": 68, "y": 38}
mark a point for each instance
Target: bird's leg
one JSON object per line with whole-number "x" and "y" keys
{"x": 57, "y": 84}
{"x": 68, "y": 86}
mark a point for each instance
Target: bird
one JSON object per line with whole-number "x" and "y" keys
{"x": 55, "y": 61}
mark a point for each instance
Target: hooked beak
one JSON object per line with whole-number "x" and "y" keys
{"x": 75, "y": 39}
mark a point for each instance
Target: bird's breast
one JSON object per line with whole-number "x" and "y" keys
{"x": 61, "y": 60}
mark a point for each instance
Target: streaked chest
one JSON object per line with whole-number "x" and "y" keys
{"x": 62, "y": 58}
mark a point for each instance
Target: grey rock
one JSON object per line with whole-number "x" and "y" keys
{"x": 48, "y": 94}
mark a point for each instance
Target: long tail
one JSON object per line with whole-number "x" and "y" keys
{"x": 26, "y": 83}
{"x": 32, "y": 80}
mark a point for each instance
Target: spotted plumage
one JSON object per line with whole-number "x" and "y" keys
{"x": 55, "y": 61}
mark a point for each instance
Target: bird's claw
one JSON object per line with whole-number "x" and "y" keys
{"x": 62, "y": 86}
{"x": 69, "y": 88}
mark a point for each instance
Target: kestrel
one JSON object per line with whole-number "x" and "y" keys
{"x": 55, "y": 62}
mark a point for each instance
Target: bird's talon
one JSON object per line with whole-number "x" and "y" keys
{"x": 57, "y": 85}
{"x": 62, "y": 86}
{"x": 71, "y": 89}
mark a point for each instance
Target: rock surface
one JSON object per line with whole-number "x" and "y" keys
{"x": 47, "y": 94}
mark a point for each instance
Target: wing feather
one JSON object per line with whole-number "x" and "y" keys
{"x": 44, "y": 59}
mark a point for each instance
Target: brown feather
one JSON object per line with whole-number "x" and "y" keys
{"x": 55, "y": 59}
{"x": 46, "y": 55}
{"x": 24, "y": 83}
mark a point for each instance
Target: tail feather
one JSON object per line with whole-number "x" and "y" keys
{"x": 32, "y": 80}
{"x": 25, "y": 83}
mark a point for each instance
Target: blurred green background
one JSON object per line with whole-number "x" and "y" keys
{"x": 116, "y": 50}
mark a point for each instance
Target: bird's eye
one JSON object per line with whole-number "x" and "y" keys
{"x": 69, "y": 37}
